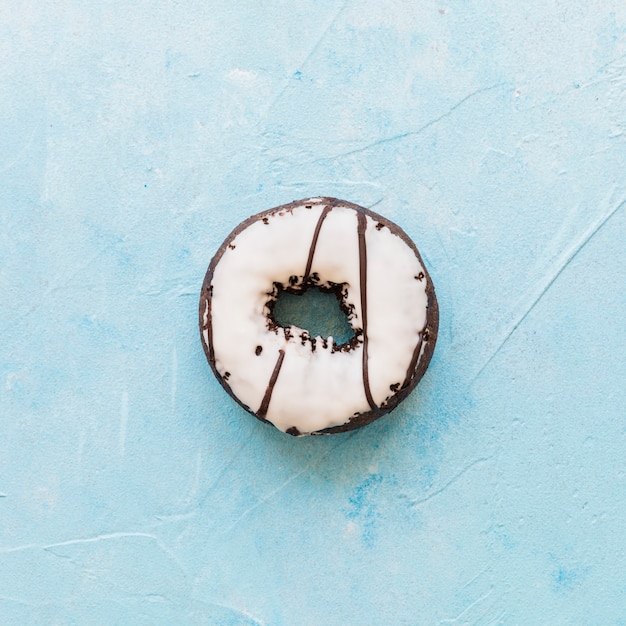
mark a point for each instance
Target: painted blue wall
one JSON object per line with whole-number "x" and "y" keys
{"x": 135, "y": 135}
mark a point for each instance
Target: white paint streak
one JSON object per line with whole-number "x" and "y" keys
{"x": 123, "y": 423}
{"x": 455, "y": 620}
{"x": 265, "y": 499}
{"x": 196, "y": 480}
{"x": 541, "y": 286}
{"x": 312, "y": 50}
{"x": 436, "y": 492}
{"x": 238, "y": 611}
{"x": 15, "y": 601}
{"x": 272, "y": 493}
{"x": 409, "y": 133}
{"x": 97, "y": 539}
{"x": 174, "y": 376}
{"x": 82, "y": 438}
{"x": 243, "y": 77}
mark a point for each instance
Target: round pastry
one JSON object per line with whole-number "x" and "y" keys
{"x": 311, "y": 385}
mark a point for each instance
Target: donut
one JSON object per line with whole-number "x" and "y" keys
{"x": 306, "y": 385}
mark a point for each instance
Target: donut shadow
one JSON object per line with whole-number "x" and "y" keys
{"x": 344, "y": 457}
{"x": 408, "y": 441}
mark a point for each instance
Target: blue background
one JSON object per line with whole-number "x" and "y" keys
{"x": 135, "y": 135}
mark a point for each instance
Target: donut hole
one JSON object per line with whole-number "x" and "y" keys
{"x": 314, "y": 310}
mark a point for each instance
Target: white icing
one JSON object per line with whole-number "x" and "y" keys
{"x": 396, "y": 304}
{"x": 315, "y": 389}
{"x": 205, "y": 314}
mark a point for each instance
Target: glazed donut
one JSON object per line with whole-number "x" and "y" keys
{"x": 311, "y": 385}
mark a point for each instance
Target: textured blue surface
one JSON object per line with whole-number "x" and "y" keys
{"x": 135, "y": 135}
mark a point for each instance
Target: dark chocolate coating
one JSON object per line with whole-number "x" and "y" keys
{"x": 428, "y": 335}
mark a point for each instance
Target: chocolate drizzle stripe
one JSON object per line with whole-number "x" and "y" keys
{"x": 362, "y": 226}
{"x": 316, "y": 234}
{"x": 416, "y": 353}
{"x": 270, "y": 386}
{"x": 209, "y": 324}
